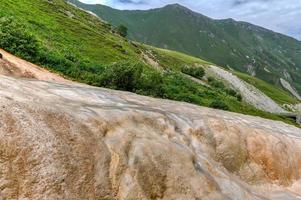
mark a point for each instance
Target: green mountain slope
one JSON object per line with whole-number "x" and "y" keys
{"x": 72, "y": 42}
{"x": 238, "y": 45}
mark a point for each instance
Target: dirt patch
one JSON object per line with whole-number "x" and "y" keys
{"x": 11, "y": 65}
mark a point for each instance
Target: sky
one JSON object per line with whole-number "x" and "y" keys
{"x": 282, "y": 16}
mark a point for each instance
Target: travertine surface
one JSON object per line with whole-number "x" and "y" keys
{"x": 78, "y": 142}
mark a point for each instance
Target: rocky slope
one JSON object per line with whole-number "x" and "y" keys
{"x": 288, "y": 87}
{"x": 70, "y": 141}
{"x": 250, "y": 94}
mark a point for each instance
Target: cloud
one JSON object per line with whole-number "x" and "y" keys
{"x": 282, "y": 16}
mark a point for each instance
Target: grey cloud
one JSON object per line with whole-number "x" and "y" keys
{"x": 131, "y": 2}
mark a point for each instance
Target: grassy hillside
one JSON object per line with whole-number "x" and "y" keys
{"x": 239, "y": 45}
{"x": 79, "y": 46}
{"x": 171, "y": 59}
{"x": 66, "y": 31}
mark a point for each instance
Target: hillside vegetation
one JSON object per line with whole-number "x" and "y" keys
{"x": 79, "y": 46}
{"x": 228, "y": 43}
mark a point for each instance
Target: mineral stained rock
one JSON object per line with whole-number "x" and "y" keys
{"x": 70, "y": 141}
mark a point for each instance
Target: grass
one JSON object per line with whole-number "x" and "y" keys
{"x": 81, "y": 35}
{"x": 174, "y": 60}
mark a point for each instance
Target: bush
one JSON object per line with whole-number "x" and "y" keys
{"x": 122, "y": 30}
{"x": 177, "y": 87}
{"x": 215, "y": 83}
{"x": 136, "y": 77}
{"x": 239, "y": 97}
{"x": 221, "y": 86}
{"x": 15, "y": 39}
{"x": 218, "y": 104}
{"x": 122, "y": 76}
{"x": 196, "y": 72}
{"x": 142, "y": 79}
{"x": 150, "y": 83}
{"x": 233, "y": 93}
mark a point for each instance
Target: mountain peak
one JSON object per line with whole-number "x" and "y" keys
{"x": 176, "y": 5}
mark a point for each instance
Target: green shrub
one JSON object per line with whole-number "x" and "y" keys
{"x": 196, "y": 72}
{"x": 133, "y": 77}
{"x": 215, "y": 83}
{"x": 122, "y": 76}
{"x": 218, "y": 104}
{"x": 122, "y": 30}
{"x": 15, "y": 39}
{"x": 179, "y": 88}
{"x": 238, "y": 97}
{"x": 151, "y": 83}
{"x": 233, "y": 93}
{"x": 221, "y": 87}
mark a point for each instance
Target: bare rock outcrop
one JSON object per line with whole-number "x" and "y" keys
{"x": 70, "y": 141}
{"x": 250, "y": 94}
{"x": 290, "y": 88}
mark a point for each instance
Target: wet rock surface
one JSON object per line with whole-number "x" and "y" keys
{"x": 70, "y": 141}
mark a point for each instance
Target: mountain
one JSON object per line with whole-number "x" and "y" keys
{"x": 228, "y": 43}
{"x": 72, "y": 141}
